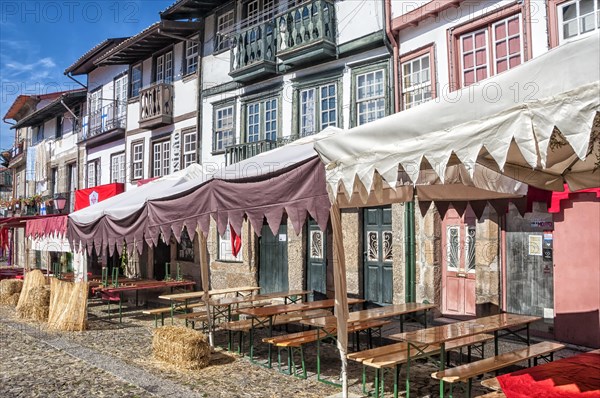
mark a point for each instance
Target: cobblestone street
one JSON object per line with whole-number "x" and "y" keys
{"x": 114, "y": 360}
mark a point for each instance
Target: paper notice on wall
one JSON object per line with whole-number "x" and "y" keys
{"x": 535, "y": 245}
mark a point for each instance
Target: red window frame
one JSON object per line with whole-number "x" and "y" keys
{"x": 428, "y": 49}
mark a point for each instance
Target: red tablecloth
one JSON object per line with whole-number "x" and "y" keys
{"x": 577, "y": 376}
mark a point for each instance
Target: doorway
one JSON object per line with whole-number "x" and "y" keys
{"x": 316, "y": 261}
{"x": 162, "y": 255}
{"x": 273, "y": 264}
{"x": 378, "y": 258}
{"x": 458, "y": 267}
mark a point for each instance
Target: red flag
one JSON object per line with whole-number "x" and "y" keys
{"x": 236, "y": 241}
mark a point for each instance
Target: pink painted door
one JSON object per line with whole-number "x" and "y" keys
{"x": 458, "y": 267}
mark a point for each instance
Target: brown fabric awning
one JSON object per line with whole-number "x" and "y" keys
{"x": 297, "y": 191}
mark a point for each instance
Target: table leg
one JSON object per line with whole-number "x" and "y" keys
{"x": 495, "y": 342}
{"x": 442, "y": 366}
{"x": 120, "y": 310}
{"x": 401, "y": 323}
{"x": 408, "y": 370}
{"x": 270, "y": 335}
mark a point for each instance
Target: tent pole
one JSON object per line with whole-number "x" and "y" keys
{"x": 205, "y": 282}
{"x": 341, "y": 297}
{"x": 409, "y": 239}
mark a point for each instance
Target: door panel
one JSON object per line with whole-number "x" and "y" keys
{"x": 458, "y": 271}
{"x": 378, "y": 273}
{"x": 273, "y": 267}
{"x": 316, "y": 270}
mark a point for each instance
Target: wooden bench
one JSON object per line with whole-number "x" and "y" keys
{"x": 393, "y": 356}
{"x": 193, "y": 317}
{"x": 465, "y": 373}
{"x": 166, "y": 310}
{"x": 295, "y": 342}
{"x": 245, "y": 325}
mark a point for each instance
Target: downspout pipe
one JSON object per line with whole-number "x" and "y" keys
{"x": 200, "y": 98}
{"x": 395, "y": 52}
{"x": 75, "y": 80}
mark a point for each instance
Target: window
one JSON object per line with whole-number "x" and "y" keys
{"x": 417, "y": 86}
{"x": 318, "y": 108}
{"x": 490, "y": 49}
{"x": 261, "y": 120}
{"x": 137, "y": 160}
{"x": 38, "y": 134}
{"x": 190, "y": 147}
{"x": 71, "y": 184}
{"x": 225, "y": 24}
{"x": 191, "y": 55}
{"x": 370, "y": 96}
{"x": 53, "y": 181}
{"x": 577, "y": 18}
{"x": 120, "y": 93}
{"x": 95, "y": 107}
{"x": 257, "y": 11}
{"x": 161, "y": 156}
{"x": 136, "y": 80}
{"x": 117, "y": 168}
{"x": 93, "y": 173}
{"x": 163, "y": 66}
{"x": 223, "y": 128}
{"x": 225, "y": 249}
{"x": 59, "y": 127}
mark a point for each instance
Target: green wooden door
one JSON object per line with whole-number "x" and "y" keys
{"x": 378, "y": 278}
{"x": 273, "y": 265}
{"x": 316, "y": 261}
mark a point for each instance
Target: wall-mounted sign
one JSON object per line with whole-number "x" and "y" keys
{"x": 282, "y": 237}
{"x": 176, "y": 151}
{"x": 542, "y": 224}
{"x": 535, "y": 245}
{"x": 547, "y": 254}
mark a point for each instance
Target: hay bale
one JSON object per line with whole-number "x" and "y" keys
{"x": 68, "y": 305}
{"x": 182, "y": 347}
{"x": 11, "y": 286}
{"x": 9, "y": 299}
{"x": 38, "y": 304}
{"x": 33, "y": 279}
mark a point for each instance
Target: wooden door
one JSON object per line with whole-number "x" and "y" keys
{"x": 273, "y": 264}
{"x": 316, "y": 260}
{"x": 458, "y": 271}
{"x": 378, "y": 277}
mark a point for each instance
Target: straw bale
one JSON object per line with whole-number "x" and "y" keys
{"x": 32, "y": 279}
{"x": 182, "y": 347}
{"x": 11, "y": 286}
{"x": 68, "y": 305}
{"x": 38, "y": 305}
{"x": 9, "y": 299}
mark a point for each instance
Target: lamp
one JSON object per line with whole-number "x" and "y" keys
{"x": 60, "y": 203}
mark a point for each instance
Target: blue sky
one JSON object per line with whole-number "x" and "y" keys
{"x": 40, "y": 39}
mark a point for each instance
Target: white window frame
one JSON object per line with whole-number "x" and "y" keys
{"x": 225, "y": 24}
{"x": 224, "y": 130}
{"x": 475, "y": 67}
{"x": 190, "y": 148}
{"x": 312, "y": 110}
{"x": 93, "y": 173}
{"x": 164, "y": 68}
{"x": 225, "y": 253}
{"x": 506, "y": 39}
{"x": 578, "y": 19}
{"x": 191, "y": 55}
{"x": 161, "y": 158}
{"x": 120, "y": 95}
{"x": 417, "y": 86}
{"x": 117, "y": 168}
{"x": 262, "y": 120}
{"x": 369, "y": 99}
{"x": 137, "y": 160}
{"x": 136, "y": 84}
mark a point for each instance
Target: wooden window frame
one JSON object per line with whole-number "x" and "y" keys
{"x": 221, "y": 41}
{"x": 262, "y": 112}
{"x": 60, "y": 125}
{"x": 487, "y": 20}
{"x": 192, "y": 41}
{"x": 358, "y": 101}
{"x": 123, "y": 172}
{"x": 97, "y": 175}
{"x": 163, "y": 54}
{"x": 553, "y": 20}
{"x": 216, "y": 110}
{"x": 428, "y": 49}
{"x": 162, "y": 160}
{"x": 121, "y": 104}
{"x": 184, "y": 134}
{"x": 133, "y": 161}
{"x": 318, "y": 110}
{"x": 226, "y": 255}
{"x": 130, "y": 81}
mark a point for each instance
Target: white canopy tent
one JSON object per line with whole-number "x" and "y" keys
{"x": 537, "y": 123}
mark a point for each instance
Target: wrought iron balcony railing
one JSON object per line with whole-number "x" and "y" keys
{"x": 156, "y": 105}
{"x": 237, "y": 153}
{"x": 108, "y": 118}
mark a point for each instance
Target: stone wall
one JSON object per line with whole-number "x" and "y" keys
{"x": 487, "y": 271}
{"x": 353, "y": 250}
{"x": 428, "y": 249}
{"x": 398, "y": 250}
{"x": 296, "y": 257}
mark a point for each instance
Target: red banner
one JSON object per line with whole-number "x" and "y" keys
{"x": 89, "y": 196}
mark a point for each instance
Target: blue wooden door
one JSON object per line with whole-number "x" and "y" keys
{"x": 378, "y": 278}
{"x": 316, "y": 260}
{"x": 273, "y": 264}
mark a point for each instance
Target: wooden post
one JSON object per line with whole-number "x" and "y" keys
{"x": 341, "y": 292}
{"x": 204, "y": 273}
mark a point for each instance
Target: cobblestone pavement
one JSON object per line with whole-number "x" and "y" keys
{"x": 114, "y": 359}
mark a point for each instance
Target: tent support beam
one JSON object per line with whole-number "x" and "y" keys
{"x": 205, "y": 275}
{"x": 341, "y": 292}
{"x": 409, "y": 239}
